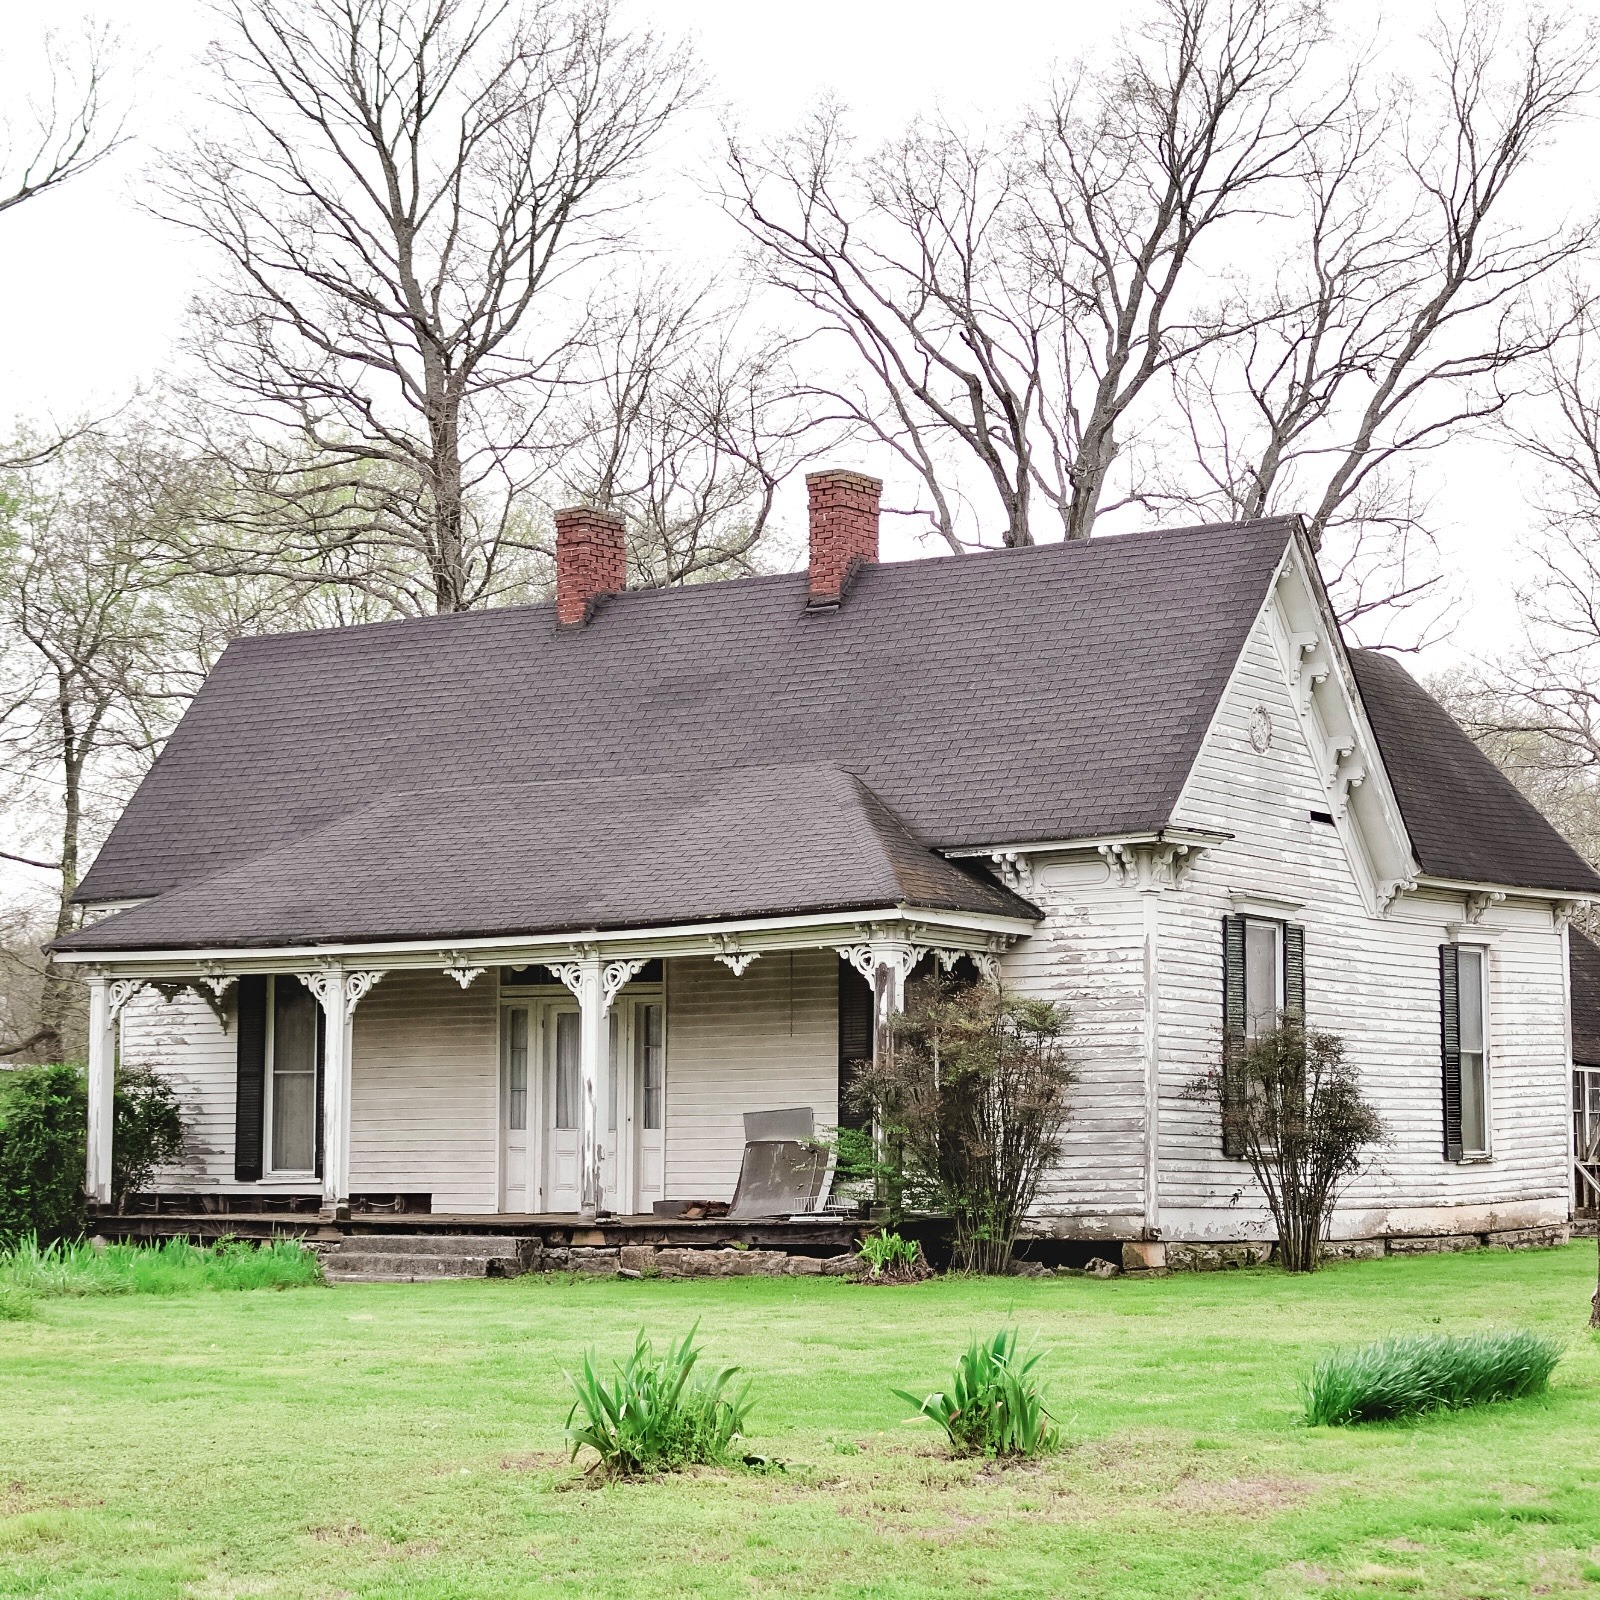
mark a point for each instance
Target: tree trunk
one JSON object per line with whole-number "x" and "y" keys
{"x": 59, "y": 995}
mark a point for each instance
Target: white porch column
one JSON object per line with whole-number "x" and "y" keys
{"x": 339, "y": 993}
{"x": 596, "y": 983}
{"x": 102, "y": 1086}
{"x": 591, "y": 1057}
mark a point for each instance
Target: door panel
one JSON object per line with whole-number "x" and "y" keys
{"x": 516, "y": 1166}
{"x": 649, "y": 1080}
{"x": 564, "y": 1098}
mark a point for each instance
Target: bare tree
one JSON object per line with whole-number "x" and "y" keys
{"x": 1008, "y": 303}
{"x": 81, "y": 628}
{"x": 407, "y": 206}
{"x": 684, "y": 425}
{"x": 1402, "y": 302}
{"x": 71, "y": 126}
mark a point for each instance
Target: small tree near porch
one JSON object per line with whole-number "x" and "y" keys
{"x": 1292, "y": 1106}
{"x": 969, "y": 1101}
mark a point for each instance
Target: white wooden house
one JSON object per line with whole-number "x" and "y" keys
{"x": 518, "y": 912}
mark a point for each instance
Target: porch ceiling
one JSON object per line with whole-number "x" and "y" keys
{"x": 531, "y": 860}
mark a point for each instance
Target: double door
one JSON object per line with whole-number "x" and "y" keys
{"x": 541, "y": 1106}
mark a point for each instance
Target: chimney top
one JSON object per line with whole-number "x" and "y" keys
{"x": 591, "y": 561}
{"x": 844, "y": 531}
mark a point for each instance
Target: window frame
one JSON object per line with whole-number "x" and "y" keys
{"x": 1481, "y": 951}
{"x": 1279, "y": 976}
{"x": 269, "y": 1097}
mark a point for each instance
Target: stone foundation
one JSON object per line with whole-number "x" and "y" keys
{"x": 1182, "y": 1256}
{"x": 652, "y": 1261}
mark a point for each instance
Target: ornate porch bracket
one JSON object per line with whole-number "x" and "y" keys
{"x": 465, "y": 976}
{"x": 1563, "y": 911}
{"x": 119, "y": 992}
{"x": 733, "y": 956}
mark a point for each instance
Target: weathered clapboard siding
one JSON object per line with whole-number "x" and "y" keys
{"x": 187, "y": 1044}
{"x": 1089, "y": 956}
{"x": 761, "y": 1042}
{"x": 424, "y": 1101}
{"x": 1373, "y": 980}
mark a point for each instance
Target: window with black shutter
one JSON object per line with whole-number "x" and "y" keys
{"x": 250, "y": 1083}
{"x": 855, "y": 1040}
{"x": 1263, "y": 983}
{"x": 1464, "y": 1050}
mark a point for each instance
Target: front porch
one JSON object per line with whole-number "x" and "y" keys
{"x": 533, "y": 1086}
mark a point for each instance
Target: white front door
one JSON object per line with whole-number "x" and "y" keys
{"x": 518, "y": 1182}
{"x": 564, "y": 1102}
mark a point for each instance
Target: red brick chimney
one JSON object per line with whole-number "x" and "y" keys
{"x": 591, "y": 560}
{"x": 844, "y": 531}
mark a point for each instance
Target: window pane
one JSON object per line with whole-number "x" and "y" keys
{"x": 1470, "y": 967}
{"x": 652, "y": 1064}
{"x": 516, "y": 1070}
{"x": 566, "y": 1069}
{"x": 1260, "y": 977}
{"x": 294, "y": 1077}
{"x": 1474, "y": 1106}
{"x": 611, "y": 1077}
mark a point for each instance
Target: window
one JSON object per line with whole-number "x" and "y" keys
{"x": 1263, "y": 981}
{"x": 292, "y": 1074}
{"x": 1463, "y": 1005}
{"x": 1263, "y": 976}
{"x": 516, "y": 1069}
{"x": 651, "y": 1056}
{"x": 566, "y": 1070}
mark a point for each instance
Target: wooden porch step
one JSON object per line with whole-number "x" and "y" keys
{"x": 433, "y": 1244}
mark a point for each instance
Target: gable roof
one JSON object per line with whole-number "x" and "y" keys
{"x": 1583, "y": 968}
{"x": 589, "y": 853}
{"x": 1467, "y": 820}
{"x": 1051, "y": 692}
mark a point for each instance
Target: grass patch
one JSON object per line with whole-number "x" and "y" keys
{"x": 395, "y": 1440}
{"x": 175, "y": 1266}
{"x": 1427, "y": 1372}
{"x": 654, "y": 1414}
{"x": 16, "y": 1303}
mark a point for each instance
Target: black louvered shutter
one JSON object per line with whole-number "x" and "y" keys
{"x": 1294, "y": 972}
{"x": 1233, "y": 1026}
{"x": 250, "y": 1083}
{"x": 855, "y": 1041}
{"x": 1450, "y": 1047}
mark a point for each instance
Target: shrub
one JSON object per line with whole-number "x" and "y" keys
{"x": 891, "y": 1259}
{"x": 43, "y": 1129}
{"x": 147, "y": 1130}
{"x": 654, "y": 1414}
{"x": 970, "y": 1100}
{"x": 1292, "y": 1105}
{"x": 1427, "y": 1372}
{"x": 172, "y": 1267}
{"x": 42, "y": 1132}
{"x": 994, "y": 1406}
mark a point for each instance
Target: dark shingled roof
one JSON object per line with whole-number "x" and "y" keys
{"x": 718, "y": 751}
{"x": 1583, "y": 966}
{"x": 1466, "y": 819}
{"x": 1016, "y": 695}
{"x": 507, "y": 858}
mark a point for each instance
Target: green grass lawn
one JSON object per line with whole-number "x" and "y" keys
{"x": 383, "y": 1440}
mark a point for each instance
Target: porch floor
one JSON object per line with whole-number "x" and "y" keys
{"x": 820, "y": 1236}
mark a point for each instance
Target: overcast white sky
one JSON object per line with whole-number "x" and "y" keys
{"x": 95, "y": 290}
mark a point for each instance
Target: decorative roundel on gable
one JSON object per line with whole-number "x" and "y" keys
{"x": 1261, "y": 730}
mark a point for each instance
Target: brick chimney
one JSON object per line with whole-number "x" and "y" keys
{"x": 844, "y": 531}
{"x": 591, "y": 560}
